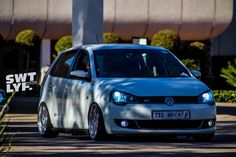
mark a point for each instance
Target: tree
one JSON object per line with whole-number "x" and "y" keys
{"x": 201, "y": 51}
{"x": 110, "y": 38}
{"x": 27, "y": 38}
{"x": 63, "y": 43}
{"x": 29, "y": 43}
{"x": 168, "y": 39}
{"x": 198, "y": 49}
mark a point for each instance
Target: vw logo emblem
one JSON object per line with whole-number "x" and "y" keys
{"x": 169, "y": 101}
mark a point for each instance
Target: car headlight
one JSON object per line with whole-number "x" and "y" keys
{"x": 121, "y": 98}
{"x": 207, "y": 97}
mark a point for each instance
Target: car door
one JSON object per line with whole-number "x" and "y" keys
{"x": 58, "y": 86}
{"x": 79, "y": 94}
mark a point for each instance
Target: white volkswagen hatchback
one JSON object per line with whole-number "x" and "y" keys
{"x": 124, "y": 89}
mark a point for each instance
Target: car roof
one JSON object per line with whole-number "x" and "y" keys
{"x": 118, "y": 46}
{"x": 122, "y": 46}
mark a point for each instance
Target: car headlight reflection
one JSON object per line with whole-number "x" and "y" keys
{"x": 121, "y": 98}
{"x": 207, "y": 97}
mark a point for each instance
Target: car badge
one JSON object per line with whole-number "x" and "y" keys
{"x": 169, "y": 101}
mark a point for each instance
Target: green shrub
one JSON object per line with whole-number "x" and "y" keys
{"x": 191, "y": 64}
{"x": 229, "y": 73}
{"x": 109, "y": 38}
{"x": 198, "y": 45}
{"x": 198, "y": 49}
{"x": 63, "y": 43}
{"x": 27, "y": 37}
{"x": 4, "y": 138}
{"x": 225, "y": 95}
{"x": 167, "y": 39}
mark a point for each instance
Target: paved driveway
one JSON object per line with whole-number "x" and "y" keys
{"x": 27, "y": 142}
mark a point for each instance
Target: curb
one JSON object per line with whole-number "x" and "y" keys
{"x": 226, "y": 104}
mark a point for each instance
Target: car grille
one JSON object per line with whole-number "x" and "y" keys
{"x": 161, "y": 99}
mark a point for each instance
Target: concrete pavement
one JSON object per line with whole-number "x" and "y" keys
{"x": 27, "y": 142}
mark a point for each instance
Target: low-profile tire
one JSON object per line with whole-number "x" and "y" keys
{"x": 96, "y": 125}
{"x": 44, "y": 123}
{"x": 203, "y": 137}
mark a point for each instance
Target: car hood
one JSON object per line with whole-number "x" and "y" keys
{"x": 154, "y": 86}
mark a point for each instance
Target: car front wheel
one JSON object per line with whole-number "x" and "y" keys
{"x": 96, "y": 126}
{"x": 44, "y": 123}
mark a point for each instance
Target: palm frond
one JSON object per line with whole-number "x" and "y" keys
{"x": 229, "y": 73}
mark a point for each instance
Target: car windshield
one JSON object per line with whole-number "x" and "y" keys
{"x": 138, "y": 63}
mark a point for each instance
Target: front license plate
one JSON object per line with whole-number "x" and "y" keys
{"x": 170, "y": 115}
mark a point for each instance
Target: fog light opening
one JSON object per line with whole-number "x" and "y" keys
{"x": 211, "y": 123}
{"x": 124, "y": 123}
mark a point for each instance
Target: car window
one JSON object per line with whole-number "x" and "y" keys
{"x": 83, "y": 62}
{"x": 138, "y": 63}
{"x": 62, "y": 66}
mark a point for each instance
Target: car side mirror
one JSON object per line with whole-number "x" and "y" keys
{"x": 80, "y": 74}
{"x": 196, "y": 73}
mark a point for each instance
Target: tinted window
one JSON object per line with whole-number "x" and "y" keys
{"x": 83, "y": 62}
{"x": 62, "y": 67}
{"x": 138, "y": 63}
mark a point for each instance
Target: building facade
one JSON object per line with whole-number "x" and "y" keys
{"x": 51, "y": 19}
{"x": 212, "y": 20}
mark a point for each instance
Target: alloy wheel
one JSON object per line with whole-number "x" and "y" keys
{"x": 93, "y": 121}
{"x": 42, "y": 119}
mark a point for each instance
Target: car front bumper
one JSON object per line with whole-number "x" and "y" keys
{"x": 140, "y": 119}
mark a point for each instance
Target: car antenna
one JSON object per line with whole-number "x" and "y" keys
{"x": 97, "y": 38}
